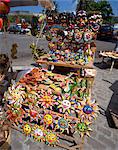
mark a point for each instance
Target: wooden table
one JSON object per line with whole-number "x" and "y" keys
{"x": 113, "y": 55}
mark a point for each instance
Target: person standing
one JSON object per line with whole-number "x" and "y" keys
{"x": 116, "y": 46}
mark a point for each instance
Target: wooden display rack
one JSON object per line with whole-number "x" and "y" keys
{"x": 75, "y": 143}
{"x": 64, "y": 64}
{"x": 69, "y": 138}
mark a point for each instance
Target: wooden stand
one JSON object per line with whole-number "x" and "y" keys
{"x": 76, "y": 144}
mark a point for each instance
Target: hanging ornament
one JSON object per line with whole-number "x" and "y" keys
{"x": 4, "y": 8}
{"x": 1, "y": 23}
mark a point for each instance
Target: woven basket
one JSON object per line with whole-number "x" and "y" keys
{"x": 6, "y": 145}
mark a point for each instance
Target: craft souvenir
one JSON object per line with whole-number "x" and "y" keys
{"x": 15, "y": 115}
{"x": 32, "y": 112}
{"x": 78, "y": 35}
{"x": 83, "y": 128}
{"x": 38, "y": 133}
{"x": 27, "y": 129}
{"x": 50, "y": 20}
{"x": 48, "y": 120}
{"x": 63, "y": 124}
{"x": 87, "y": 109}
{"x": 15, "y": 95}
{"x": 88, "y": 36}
{"x": 46, "y": 100}
{"x": 65, "y": 104}
{"x": 63, "y": 19}
{"x": 81, "y": 18}
{"x": 51, "y": 138}
{"x": 49, "y": 36}
{"x": 95, "y": 21}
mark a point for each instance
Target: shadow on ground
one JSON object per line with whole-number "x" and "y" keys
{"x": 112, "y": 109}
{"x": 107, "y": 40}
{"x": 111, "y": 112}
{"x": 105, "y": 65}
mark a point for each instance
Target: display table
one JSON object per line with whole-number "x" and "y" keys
{"x": 112, "y": 55}
{"x": 64, "y": 64}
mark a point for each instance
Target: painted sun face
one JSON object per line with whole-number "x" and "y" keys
{"x": 48, "y": 119}
{"x": 27, "y": 129}
{"x": 66, "y": 104}
{"x": 87, "y": 109}
{"x": 51, "y": 138}
{"x": 62, "y": 123}
{"x": 38, "y": 132}
{"x": 81, "y": 127}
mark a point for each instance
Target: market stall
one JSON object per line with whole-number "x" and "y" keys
{"x": 48, "y": 106}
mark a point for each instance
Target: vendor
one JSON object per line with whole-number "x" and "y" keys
{"x": 116, "y": 46}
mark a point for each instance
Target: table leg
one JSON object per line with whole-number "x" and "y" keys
{"x": 112, "y": 65}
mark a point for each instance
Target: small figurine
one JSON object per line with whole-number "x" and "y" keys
{"x": 14, "y": 51}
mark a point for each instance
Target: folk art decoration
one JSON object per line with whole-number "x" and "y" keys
{"x": 73, "y": 44}
{"x": 4, "y": 6}
{"x": 45, "y": 105}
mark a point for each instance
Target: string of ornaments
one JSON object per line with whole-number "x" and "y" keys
{"x": 44, "y": 105}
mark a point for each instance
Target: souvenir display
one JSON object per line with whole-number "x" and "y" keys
{"x": 44, "y": 104}
{"x": 73, "y": 47}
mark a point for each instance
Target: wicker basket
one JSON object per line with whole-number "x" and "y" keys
{"x": 6, "y": 145}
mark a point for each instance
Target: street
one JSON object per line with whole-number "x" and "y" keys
{"x": 24, "y": 51}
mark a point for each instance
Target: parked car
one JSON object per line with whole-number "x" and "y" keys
{"x": 106, "y": 32}
{"x": 14, "y": 29}
{"x": 24, "y": 31}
